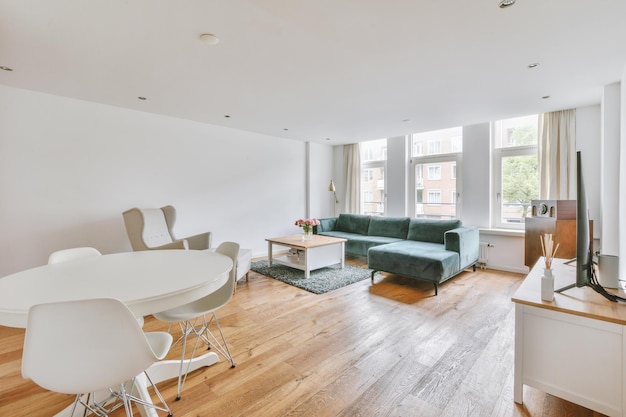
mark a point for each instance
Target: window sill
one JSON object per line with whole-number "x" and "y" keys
{"x": 503, "y": 232}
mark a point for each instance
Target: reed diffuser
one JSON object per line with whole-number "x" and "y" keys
{"x": 547, "y": 280}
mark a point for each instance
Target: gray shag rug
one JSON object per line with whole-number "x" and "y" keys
{"x": 321, "y": 280}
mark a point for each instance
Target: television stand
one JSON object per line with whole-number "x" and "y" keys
{"x": 573, "y": 347}
{"x": 567, "y": 287}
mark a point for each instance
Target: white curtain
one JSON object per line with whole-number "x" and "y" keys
{"x": 557, "y": 152}
{"x": 352, "y": 178}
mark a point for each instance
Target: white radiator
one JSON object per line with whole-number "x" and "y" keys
{"x": 483, "y": 253}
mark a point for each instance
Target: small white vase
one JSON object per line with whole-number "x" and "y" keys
{"x": 547, "y": 285}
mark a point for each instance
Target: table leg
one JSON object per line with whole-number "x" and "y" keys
{"x": 269, "y": 253}
{"x": 307, "y": 271}
{"x": 518, "y": 385}
{"x": 343, "y": 257}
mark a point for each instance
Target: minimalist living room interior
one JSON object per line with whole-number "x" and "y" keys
{"x": 130, "y": 104}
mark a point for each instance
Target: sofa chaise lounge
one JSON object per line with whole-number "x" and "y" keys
{"x": 422, "y": 249}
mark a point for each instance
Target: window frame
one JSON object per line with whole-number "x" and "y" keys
{"x": 499, "y": 154}
{"x": 415, "y": 161}
{"x": 500, "y": 151}
{"x": 370, "y": 165}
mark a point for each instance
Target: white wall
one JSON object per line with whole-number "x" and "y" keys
{"x": 588, "y": 142}
{"x": 621, "y": 226}
{"x": 339, "y": 178}
{"x": 476, "y": 188}
{"x": 320, "y": 174}
{"x": 609, "y": 168}
{"x": 396, "y": 177}
{"x": 69, "y": 168}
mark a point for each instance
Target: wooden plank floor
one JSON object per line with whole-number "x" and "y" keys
{"x": 393, "y": 349}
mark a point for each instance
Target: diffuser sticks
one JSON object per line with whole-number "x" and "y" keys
{"x": 548, "y": 248}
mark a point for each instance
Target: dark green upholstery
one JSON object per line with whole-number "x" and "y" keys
{"x": 464, "y": 241}
{"x": 389, "y": 227}
{"x": 427, "y": 230}
{"x": 359, "y": 244}
{"x": 353, "y": 223}
{"x": 422, "y": 260}
{"x": 424, "y": 249}
{"x": 325, "y": 225}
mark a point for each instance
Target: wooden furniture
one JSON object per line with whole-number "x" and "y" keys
{"x": 573, "y": 347}
{"x": 147, "y": 282}
{"x": 557, "y": 217}
{"x": 316, "y": 253}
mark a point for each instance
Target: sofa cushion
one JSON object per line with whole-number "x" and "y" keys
{"x": 358, "y": 244}
{"x": 428, "y": 230}
{"x": 325, "y": 225}
{"x": 352, "y": 223}
{"x": 396, "y": 227}
{"x": 413, "y": 259}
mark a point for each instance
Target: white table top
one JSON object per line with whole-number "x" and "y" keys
{"x": 147, "y": 282}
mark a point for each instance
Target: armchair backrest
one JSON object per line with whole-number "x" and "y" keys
{"x": 149, "y": 228}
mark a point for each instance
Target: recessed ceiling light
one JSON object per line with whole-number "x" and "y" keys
{"x": 227, "y": 116}
{"x": 506, "y": 3}
{"x": 406, "y": 120}
{"x": 533, "y": 65}
{"x": 142, "y": 98}
{"x": 209, "y": 39}
{"x": 545, "y": 97}
{"x": 285, "y": 129}
{"x": 6, "y": 69}
{"x": 327, "y": 138}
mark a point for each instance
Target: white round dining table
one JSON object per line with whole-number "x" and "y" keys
{"x": 147, "y": 282}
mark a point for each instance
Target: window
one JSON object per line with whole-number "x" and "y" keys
{"x": 434, "y": 197}
{"x": 516, "y": 177}
{"x": 419, "y": 201}
{"x": 434, "y": 178}
{"x": 434, "y": 147}
{"x": 434, "y": 172}
{"x": 373, "y": 164}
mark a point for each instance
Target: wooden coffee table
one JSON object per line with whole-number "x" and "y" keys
{"x": 316, "y": 253}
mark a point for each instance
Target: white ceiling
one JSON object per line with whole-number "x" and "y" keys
{"x": 346, "y": 70}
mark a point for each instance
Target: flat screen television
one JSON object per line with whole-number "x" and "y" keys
{"x": 585, "y": 271}
{"x": 584, "y": 246}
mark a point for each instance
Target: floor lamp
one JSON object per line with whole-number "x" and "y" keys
{"x": 331, "y": 187}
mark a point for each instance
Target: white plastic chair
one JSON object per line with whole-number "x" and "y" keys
{"x": 87, "y": 346}
{"x": 71, "y": 254}
{"x": 187, "y": 315}
{"x": 66, "y": 255}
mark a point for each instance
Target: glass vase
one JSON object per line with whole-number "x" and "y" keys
{"x": 307, "y": 234}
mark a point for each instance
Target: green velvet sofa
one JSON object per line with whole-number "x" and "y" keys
{"x": 423, "y": 249}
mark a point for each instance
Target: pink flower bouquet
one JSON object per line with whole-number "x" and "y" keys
{"x": 307, "y": 224}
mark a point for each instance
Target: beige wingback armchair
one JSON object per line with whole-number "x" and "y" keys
{"x": 152, "y": 229}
